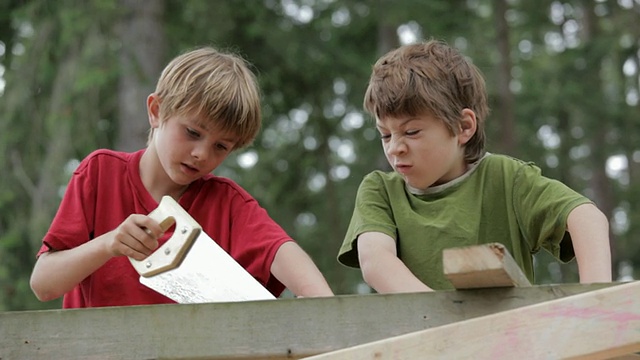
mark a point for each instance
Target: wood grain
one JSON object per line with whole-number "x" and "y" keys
{"x": 284, "y": 328}
{"x": 482, "y": 266}
{"x": 602, "y": 324}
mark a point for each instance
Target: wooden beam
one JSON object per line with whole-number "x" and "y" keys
{"x": 597, "y": 325}
{"x": 279, "y": 329}
{"x": 482, "y": 266}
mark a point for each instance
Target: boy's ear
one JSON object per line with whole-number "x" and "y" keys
{"x": 153, "y": 110}
{"x": 468, "y": 126}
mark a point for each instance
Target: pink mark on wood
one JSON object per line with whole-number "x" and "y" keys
{"x": 622, "y": 320}
{"x": 620, "y": 317}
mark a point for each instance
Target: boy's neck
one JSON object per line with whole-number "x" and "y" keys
{"x": 155, "y": 179}
{"x": 433, "y": 189}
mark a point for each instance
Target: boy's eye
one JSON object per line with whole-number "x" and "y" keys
{"x": 412, "y": 132}
{"x": 385, "y": 136}
{"x": 193, "y": 133}
{"x": 222, "y": 147}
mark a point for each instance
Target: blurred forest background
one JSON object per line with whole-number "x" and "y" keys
{"x": 563, "y": 78}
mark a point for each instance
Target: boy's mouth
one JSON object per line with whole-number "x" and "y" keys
{"x": 189, "y": 169}
{"x": 402, "y": 168}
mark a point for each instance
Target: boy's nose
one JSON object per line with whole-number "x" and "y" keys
{"x": 395, "y": 146}
{"x": 199, "y": 152}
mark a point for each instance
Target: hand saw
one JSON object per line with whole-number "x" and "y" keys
{"x": 192, "y": 268}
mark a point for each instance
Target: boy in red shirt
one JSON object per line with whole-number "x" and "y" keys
{"x": 206, "y": 104}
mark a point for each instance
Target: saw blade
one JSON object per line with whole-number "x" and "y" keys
{"x": 207, "y": 274}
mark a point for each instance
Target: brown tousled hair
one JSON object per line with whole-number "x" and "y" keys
{"x": 429, "y": 78}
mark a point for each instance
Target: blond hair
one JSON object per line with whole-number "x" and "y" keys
{"x": 217, "y": 88}
{"x": 429, "y": 78}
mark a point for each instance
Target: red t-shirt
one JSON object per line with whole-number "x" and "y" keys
{"x": 106, "y": 188}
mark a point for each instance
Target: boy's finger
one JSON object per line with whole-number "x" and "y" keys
{"x": 151, "y": 227}
{"x": 135, "y": 248}
{"x": 136, "y": 254}
{"x": 145, "y": 241}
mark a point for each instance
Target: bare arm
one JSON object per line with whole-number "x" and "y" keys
{"x": 57, "y": 272}
{"x": 381, "y": 267}
{"x": 589, "y": 229}
{"x": 295, "y": 269}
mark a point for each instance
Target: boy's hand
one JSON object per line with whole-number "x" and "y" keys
{"x": 136, "y": 237}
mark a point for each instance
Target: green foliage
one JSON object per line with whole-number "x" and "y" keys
{"x": 53, "y": 100}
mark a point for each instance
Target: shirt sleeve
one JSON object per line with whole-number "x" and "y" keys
{"x": 256, "y": 238}
{"x": 72, "y": 224}
{"x": 372, "y": 212}
{"x": 542, "y": 207}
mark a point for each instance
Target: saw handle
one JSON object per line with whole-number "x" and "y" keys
{"x": 173, "y": 251}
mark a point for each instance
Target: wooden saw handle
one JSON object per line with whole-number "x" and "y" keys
{"x": 171, "y": 253}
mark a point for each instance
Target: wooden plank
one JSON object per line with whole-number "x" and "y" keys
{"x": 285, "y": 328}
{"x": 482, "y": 266}
{"x": 597, "y": 325}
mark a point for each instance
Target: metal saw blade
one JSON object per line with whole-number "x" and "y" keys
{"x": 207, "y": 274}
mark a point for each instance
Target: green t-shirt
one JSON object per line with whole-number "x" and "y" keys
{"x": 501, "y": 199}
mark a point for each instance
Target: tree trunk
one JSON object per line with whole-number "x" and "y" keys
{"x": 506, "y": 100}
{"x": 142, "y": 58}
{"x": 387, "y": 41}
{"x": 44, "y": 194}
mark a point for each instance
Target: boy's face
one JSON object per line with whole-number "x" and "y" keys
{"x": 188, "y": 151}
{"x": 422, "y": 149}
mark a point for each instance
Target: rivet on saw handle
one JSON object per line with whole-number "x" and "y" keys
{"x": 171, "y": 253}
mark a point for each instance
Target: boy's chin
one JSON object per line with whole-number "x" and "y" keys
{"x": 181, "y": 179}
{"x": 413, "y": 185}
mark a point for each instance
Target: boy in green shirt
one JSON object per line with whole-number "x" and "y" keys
{"x": 430, "y": 105}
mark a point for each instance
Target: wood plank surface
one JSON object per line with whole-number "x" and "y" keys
{"x": 602, "y": 324}
{"x": 482, "y": 266}
{"x": 279, "y": 329}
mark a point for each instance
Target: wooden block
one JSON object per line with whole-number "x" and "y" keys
{"x": 482, "y": 266}
{"x": 601, "y": 324}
